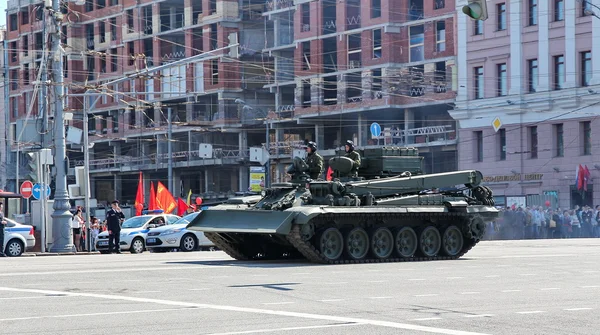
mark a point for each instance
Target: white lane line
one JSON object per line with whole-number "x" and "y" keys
{"x": 91, "y": 314}
{"x": 381, "y": 297}
{"x": 142, "y": 292}
{"x": 508, "y": 291}
{"x": 121, "y": 270}
{"x": 337, "y": 283}
{"x": 591, "y": 271}
{"x": 260, "y": 275}
{"x": 289, "y": 328}
{"x": 331, "y": 300}
{"x": 279, "y": 303}
{"x": 198, "y": 289}
{"x": 380, "y": 323}
{"x": 526, "y": 274}
{"x": 470, "y": 292}
{"x": 427, "y": 295}
{"x": 455, "y": 277}
{"x": 531, "y": 312}
{"x": 549, "y": 288}
{"x": 425, "y": 319}
{"x": 492, "y": 276}
{"x": 578, "y": 309}
{"x": 589, "y": 286}
{"x": 417, "y": 279}
{"x": 479, "y": 316}
{"x": 301, "y": 273}
{"x": 525, "y": 256}
{"x": 374, "y": 270}
{"x": 406, "y": 269}
{"x": 377, "y": 281}
{"x": 36, "y": 297}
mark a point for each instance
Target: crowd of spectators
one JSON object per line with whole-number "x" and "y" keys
{"x": 534, "y": 222}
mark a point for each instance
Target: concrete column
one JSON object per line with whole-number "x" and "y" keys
{"x": 463, "y": 70}
{"x": 189, "y": 112}
{"x": 117, "y": 187}
{"x": 341, "y": 89}
{"x": 516, "y": 49}
{"x": 367, "y": 84}
{"x": 409, "y": 123}
{"x": 361, "y": 131}
{"x": 570, "y": 49}
{"x": 126, "y": 120}
{"x": 544, "y": 73}
{"x": 320, "y": 136}
{"x": 595, "y": 45}
{"x": 316, "y": 91}
{"x": 298, "y": 94}
{"x": 157, "y": 116}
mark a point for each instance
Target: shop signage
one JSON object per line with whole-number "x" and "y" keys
{"x": 513, "y": 177}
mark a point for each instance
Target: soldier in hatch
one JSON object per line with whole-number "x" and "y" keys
{"x": 314, "y": 161}
{"x": 353, "y": 155}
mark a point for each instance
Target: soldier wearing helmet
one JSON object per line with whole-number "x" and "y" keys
{"x": 314, "y": 161}
{"x": 353, "y": 155}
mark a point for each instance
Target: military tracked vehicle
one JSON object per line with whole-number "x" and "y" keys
{"x": 391, "y": 212}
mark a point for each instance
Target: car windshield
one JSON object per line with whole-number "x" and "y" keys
{"x": 187, "y": 219}
{"x": 136, "y": 222}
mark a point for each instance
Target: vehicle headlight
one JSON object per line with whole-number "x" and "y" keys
{"x": 172, "y": 231}
{"x": 263, "y": 193}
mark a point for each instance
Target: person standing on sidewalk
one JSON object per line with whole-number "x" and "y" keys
{"x": 2, "y": 225}
{"x": 114, "y": 217}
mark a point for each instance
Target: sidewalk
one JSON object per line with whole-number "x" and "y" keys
{"x": 35, "y": 254}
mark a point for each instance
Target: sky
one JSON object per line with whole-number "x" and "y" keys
{"x": 3, "y": 12}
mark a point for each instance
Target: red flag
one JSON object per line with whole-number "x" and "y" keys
{"x": 152, "y": 206}
{"x": 139, "y": 198}
{"x": 181, "y": 207}
{"x": 580, "y": 178}
{"x": 586, "y": 177}
{"x": 329, "y": 173}
{"x": 164, "y": 198}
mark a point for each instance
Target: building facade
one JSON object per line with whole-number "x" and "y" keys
{"x": 532, "y": 69}
{"x": 312, "y": 70}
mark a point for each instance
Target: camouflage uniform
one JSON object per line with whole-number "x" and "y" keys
{"x": 315, "y": 165}
{"x": 355, "y": 156}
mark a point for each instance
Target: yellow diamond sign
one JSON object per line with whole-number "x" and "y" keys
{"x": 496, "y": 124}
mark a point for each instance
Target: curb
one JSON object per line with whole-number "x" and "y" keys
{"x": 43, "y": 254}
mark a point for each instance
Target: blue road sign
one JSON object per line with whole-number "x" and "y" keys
{"x": 37, "y": 191}
{"x": 375, "y": 129}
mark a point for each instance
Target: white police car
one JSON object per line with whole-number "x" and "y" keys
{"x": 17, "y": 238}
{"x": 133, "y": 232}
{"x": 176, "y": 236}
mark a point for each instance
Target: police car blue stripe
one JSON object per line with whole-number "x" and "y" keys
{"x": 16, "y": 229}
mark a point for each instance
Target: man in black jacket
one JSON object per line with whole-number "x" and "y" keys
{"x": 114, "y": 218}
{"x": 2, "y": 224}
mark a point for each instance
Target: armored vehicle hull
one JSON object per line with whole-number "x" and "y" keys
{"x": 390, "y": 219}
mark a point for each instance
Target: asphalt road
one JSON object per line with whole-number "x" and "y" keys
{"x": 511, "y": 287}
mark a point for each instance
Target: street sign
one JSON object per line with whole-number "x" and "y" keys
{"x": 496, "y": 124}
{"x": 265, "y": 157}
{"x": 375, "y": 129}
{"x": 37, "y": 191}
{"x": 26, "y": 189}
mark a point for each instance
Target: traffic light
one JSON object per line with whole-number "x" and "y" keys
{"x": 476, "y": 9}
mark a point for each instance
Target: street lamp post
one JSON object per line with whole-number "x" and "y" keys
{"x": 267, "y": 140}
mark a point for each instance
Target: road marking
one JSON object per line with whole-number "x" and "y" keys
{"x": 526, "y": 256}
{"x": 121, "y": 270}
{"x": 380, "y": 323}
{"x": 526, "y": 274}
{"x": 578, "y": 309}
{"x": 260, "y": 275}
{"x": 91, "y": 314}
{"x": 198, "y": 289}
{"x": 470, "y": 292}
{"x": 417, "y": 279}
{"x": 142, "y": 292}
{"x": 479, "y": 316}
{"x": 425, "y": 319}
{"x": 507, "y": 291}
{"x": 381, "y": 297}
{"x": 427, "y": 295}
{"x": 373, "y": 270}
{"x": 531, "y": 312}
{"x": 549, "y": 288}
{"x": 492, "y": 276}
{"x": 589, "y": 286}
{"x": 331, "y": 300}
{"x": 301, "y": 273}
{"x": 591, "y": 271}
{"x": 35, "y": 297}
{"x": 455, "y": 277}
{"x": 377, "y": 281}
{"x": 290, "y": 328}
{"x": 337, "y": 283}
{"x": 279, "y": 303}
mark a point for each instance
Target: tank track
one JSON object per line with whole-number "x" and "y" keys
{"x": 310, "y": 252}
{"x": 229, "y": 248}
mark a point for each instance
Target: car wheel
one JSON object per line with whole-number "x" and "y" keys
{"x": 137, "y": 246}
{"x": 14, "y": 248}
{"x": 188, "y": 243}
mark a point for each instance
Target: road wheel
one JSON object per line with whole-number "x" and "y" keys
{"x": 357, "y": 243}
{"x": 188, "y": 243}
{"x": 14, "y": 248}
{"x": 430, "y": 241}
{"x": 137, "y": 246}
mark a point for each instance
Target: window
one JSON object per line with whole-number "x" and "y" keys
{"x": 479, "y": 83}
{"x": 25, "y": 45}
{"x": 559, "y": 72}
{"x": 25, "y": 74}
{"x": 113, "y": 28}
{"x": 532, "y": 75}
{"x": 13, "y": 22}
{"x": 306, "y": 17}
{"x": 354, "y": 51}
{"x": 559, "y": 10}
{"x": 440, "y": 36}
{"x": 215, "y": 71}
{"x": 502, "y": 80}
{"x": 377, "y": 43}
{"x": 375, "y": 8}
{"x": 113, "y": 60}
{"x": 533, "y": 142}
{"x": 558, "y": 140}
{"x": 501, "y": 16}
{"x": 533, "y": 12}
{"x": 478, "y": 146}
{"x": 306, "y": 55}
{"x": 439, "y": 4}
{"x": 586, "y": 127}
{"x": 477, "y": 27}
{"x": 417, "y": 39}
{"x": 586, "y": 68}
{"x": 502, "y": 143}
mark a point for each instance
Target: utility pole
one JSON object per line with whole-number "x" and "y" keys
{"x": 170, "y": 150}
{"x": 86, "y": 172}
{"x": 61, "y": 217}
